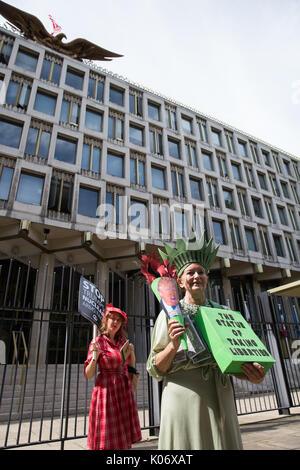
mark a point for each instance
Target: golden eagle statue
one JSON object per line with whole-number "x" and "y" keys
{"x": 33, "y": 29}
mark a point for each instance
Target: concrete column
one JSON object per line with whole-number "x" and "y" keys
{"x": 102, "y": 278}
{"x": 39, "y": 335}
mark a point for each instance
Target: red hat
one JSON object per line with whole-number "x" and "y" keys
{"x": 111, "y": 308}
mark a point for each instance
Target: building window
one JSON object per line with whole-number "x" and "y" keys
{"x": 278, "y": 245}
{"x": 274, "y": 185}
{"x": 38, "y": 140}
{"x": 27, "y": 59}
{"x": 45, "y": 102}
{"x": 290, "y": 246}
{"x": 96, "y": 87}
{"x": 216, "y": 137}
{"x": 252, "y": 246}
{"x": 138, "y": 214}
{"x": 6, "y": 175}
{"x": 61, "y": 193}
{"x": 295, "y": 193}
{"x": 174, "y": 148}
{"x": 254, "y": 153}
{"x": 250, "y": 176}
{"x": 287, "y": 167}
{"x": 171, "y": 121}
{"x": 70, "y": 110}
{"x": 228, "y": 199}
{"x": 266, "y": 157}
{"x": 160, "y": 217}
{"x": 230, "y": 142}
{"x": 276, "y": 162}
{"x": 51, "y": 70}
{"x": 10, "y": 133}
{"x": 236, "y": 171}
{"x": 136, "y": 135}
{"x": 137, "y": 170}
{"x": 282, "y": 217}
{"x": 203, "y": 131}
{"x": 212, "y": 193}
{"x": 6, "y": 45}
{"x": 116, "y": 126}
{"x": 156, "y": 145}
{"x": 154, "y": 111}
{"x": 30, "y": 189}
{"x": 177, "y": 182}
{"x": 190, "y": 151}
{"x": 293, "y": 219}
{"x": 235, "y": 234}
{"x": 116, "y": 95}
{"x": 91, "y": 156}
{"x": 114, "y": 213}
{"x": 207, "y": 161}
{"x": 221, "y": 159}
{"x": 65, "y": 150}
{"x": 136, "y": 103}
{"x": 187, "y": 125}
{"x": 93, "y": 120}
{"x": 264, "y": 242}
{"x": 269, "y": 209}
{"x": 196, "y": 189}
{"x": 18, "y": 92}
{"x": 115, "y": 165}
{"x": 262, "y": 180}
{"x": 158, "y": 177}
{"x": 257, "y": 207}
{"x": 180, "y": 223}
{"x": 284, "y": 187}
{"x": 74, "y": 78}
{"x": 296, "y": 170}
{"x": 219, "y": 235}
{"x": 243, "y": 148}
{"x": 88, "y": 202}
{"x": 243, "y": 202}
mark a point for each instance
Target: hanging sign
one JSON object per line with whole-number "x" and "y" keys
{"x": 231, "y": 340}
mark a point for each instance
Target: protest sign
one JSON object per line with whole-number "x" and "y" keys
{"x": 231, "y": 340}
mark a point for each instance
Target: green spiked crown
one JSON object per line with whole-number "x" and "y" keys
{"x": 193, "y": 252}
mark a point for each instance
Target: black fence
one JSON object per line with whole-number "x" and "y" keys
{"x": 44, "y": 397}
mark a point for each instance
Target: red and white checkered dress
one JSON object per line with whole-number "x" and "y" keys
{"x": 114, "y": 422}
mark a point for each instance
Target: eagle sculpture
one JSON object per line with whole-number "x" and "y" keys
{"x": 32, "y": 28}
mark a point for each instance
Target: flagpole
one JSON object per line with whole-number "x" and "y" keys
{"x": 284, "y": 328}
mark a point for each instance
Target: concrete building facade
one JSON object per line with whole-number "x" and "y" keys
{"x": 95, "y": 169}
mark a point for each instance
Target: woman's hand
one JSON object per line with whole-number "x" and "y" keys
{"x": 175, "y": 331}
{"x": 131, "y": 355}
{"x": 95, "y": 348}
{"x": 254, "y": 372}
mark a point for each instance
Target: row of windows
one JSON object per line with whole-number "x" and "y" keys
{"x": 31, "y": 187}
{"x": 32, "y": 194}
{"x": 38, "y": 144}
{"x": 19, "y": 92}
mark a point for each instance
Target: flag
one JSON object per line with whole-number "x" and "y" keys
{"x": 282, "y": 324}
{"x": 297, "y": 329}
{"x": 56, "y": 27}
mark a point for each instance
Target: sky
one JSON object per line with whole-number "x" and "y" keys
{"x": 237, "y": 61}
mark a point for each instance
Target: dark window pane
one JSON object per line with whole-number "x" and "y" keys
{"x": 196, "y": 189}
{"x": 31, "y": 141}
{"x": 74, "y": 79}
{"x": 65, "y": 150}
{"x": 136, "y": 135}
{"x": 158, "y": 178}
{"x": 45, "y": 103}
{"x": 93, "y": 120}
{"x": 26, "y": 60}
{"x": 251, "y": 240}
{"x": 116, "y": 96}
{"x": 153, "y": 111}
{"x": 88, "y": 202}
{"x": 10, "y": 133}
{"x": 30, "y": 189}
{"x": 218, "y": 232}
{"x": 115, "y": 165}
{"x": 174, "y": 149}
{"x": 5, "y": 182}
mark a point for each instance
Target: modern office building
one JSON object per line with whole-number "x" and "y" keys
{"x": 95, "y": 169}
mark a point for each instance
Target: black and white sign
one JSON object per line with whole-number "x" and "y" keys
{"x": 91, "y": 303}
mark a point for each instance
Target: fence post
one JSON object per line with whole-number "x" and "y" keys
{"x": 280, "y": 379}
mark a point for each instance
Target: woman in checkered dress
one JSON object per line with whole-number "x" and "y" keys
{"x": 114, "y": 422}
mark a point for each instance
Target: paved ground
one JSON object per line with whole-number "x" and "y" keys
{"x": 262, "y": 431}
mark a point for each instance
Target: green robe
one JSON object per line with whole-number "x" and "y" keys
{"x": 197, "y": 408}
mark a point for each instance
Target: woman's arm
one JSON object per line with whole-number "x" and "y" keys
{"x": 91, "y": 368}
{"x": 164, "y": 359}
{"x": 254, "y": 373}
